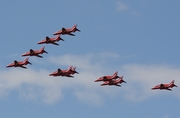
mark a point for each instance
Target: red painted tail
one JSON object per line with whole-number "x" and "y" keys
{"x": 42, "y": 48}
{"x": 172, "y": 84}
{"x": 70, "y": 68}
{"x": 115, "y": 74}
{"x": 26, "y": 60}
{"x": 75, "y": 25}
{"x": 74, "y": 69}
{"x": 58, "y": 38}
{"x": 75, "y": 28}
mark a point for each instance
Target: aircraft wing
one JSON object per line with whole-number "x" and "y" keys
{"x": 42, "y": 41}
{"x": 26, "y": 54}
{"x": 38, "y": 56}
{"x": 22, "y": 66}
{"x": 168, "y": 89}
{"x": 58, "y": 32}
{"x": 105, "y": 83}
{"x": 69, "y": 76}
{"x": 55, "y": 43}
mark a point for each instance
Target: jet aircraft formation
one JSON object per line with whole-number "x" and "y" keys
{"x": 67, "y": 73}
{"x": 107, "y": 79}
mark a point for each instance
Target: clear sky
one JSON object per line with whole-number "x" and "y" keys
{"x": 137, "y": 38}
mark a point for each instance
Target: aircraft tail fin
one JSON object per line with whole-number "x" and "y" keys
{"x": 58, "y": 38}
{"x": 26, "y": 61}
{"x": 121, "y": 79}
{"x": 172, "y": 84}
{"x": 75, "y": 25}
{"x": 74, "y": 69}
{"x": 42, "y": 50}
{"x": 70, "y": 68}
{"x": 115, "y": 74}
{"x": 75, "y": 28}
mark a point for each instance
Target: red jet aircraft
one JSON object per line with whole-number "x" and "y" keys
{"x": 19, "y": 64}
{"x": 109, "y": 77}
{"x": 67, "y": 31}
{"x": 35, "y": 52}
{"x": 165, "y": 86}
{"x": 115, "y": 82}
{"x": 66, "y": 73}
{"x": 51, "y": 40}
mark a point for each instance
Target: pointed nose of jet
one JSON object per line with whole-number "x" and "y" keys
{"x": 24, "y": 54}
{"x": 51, "y": 74}
{"x": 8, "y": 65}
{"x": 96, "y": 81}
{"x": 100, "y": 79}
{"x": 153, "y": 88}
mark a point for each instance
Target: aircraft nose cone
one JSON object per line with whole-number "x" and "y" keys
{"x": 96, "y": 80}
{"x": 100, "y": 79}
{"x": 153, "y": 88}
{"x": 8, "y": 65}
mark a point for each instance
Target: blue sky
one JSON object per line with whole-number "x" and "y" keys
{"x": 139, "y": 39}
